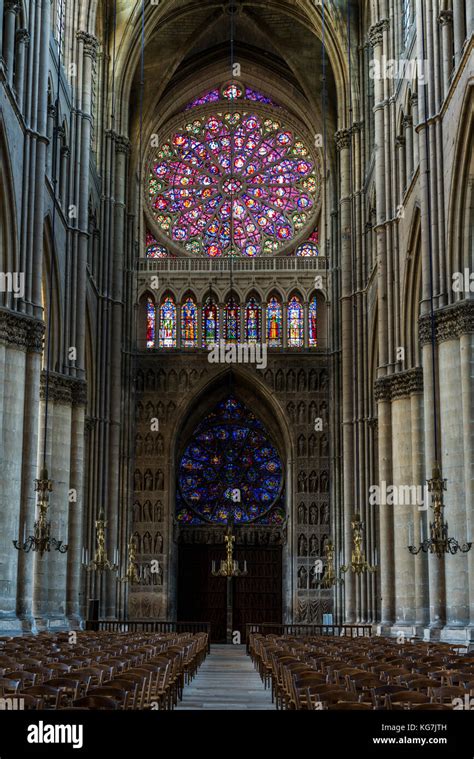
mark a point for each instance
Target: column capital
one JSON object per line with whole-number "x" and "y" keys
{"x": 376, "y": 32}
{"x": 450, "y": 322}
{"x": 399, "y": 385}
{"x": 445, "y": 17}
{"x": 89, "y": 42}
{"x": 400, "y": 142}
{"x": 122, "y": 144}
{"x": 407, "y": 120}
{"x": 342, "y": 138}
{"x": 23, "y": 36}
{"x": 12, "y": 6}
{"x": 356, "y": 127}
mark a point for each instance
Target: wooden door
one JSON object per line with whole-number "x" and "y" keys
{"x": 202, "y": 597}
{"x": 258, "y": 596}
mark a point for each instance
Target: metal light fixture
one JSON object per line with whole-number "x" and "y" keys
{"x": 439, "y": 542}
{"x": 41, "y": 541}
{"x": 358, "y": 563}
{"x": 100, "y": 562}
{"x": 329, "y": 578}
{"x": 131, "y": 574}
{"x": 229, "y": 567}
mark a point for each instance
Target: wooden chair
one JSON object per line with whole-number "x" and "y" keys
{"x": 97, "y": 702}
{"x": 406, "y": 698}
{"x": 141, "y": 683}
{"x": 27, "y": 679}
{"x": 30, "y": 702}
{"x": 131, "y": 689}
{"x": 350, "y": 706}
{"x": 9, "y": 687}
{"x": 380, "y": 693}
{"x": 431, "y": 707}
{"x": 117, "y": 693}
{"x": 70, "y": 689}
{"x": 48, "y": 694}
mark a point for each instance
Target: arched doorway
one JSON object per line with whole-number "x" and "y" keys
{"x": 230, "y": 472}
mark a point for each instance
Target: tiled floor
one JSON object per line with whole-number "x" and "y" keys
{"x": 226, "y": 680}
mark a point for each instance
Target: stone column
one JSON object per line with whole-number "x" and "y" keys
{"x": 408, "y": 126}
{"x": 13, "y": 339}
{"x": 29, "y": 470}
{"x": 22, "y": 38}
{"x": 387, "y": 568}
{"x": 418, "y": 469}
{"x": 343, "y": 142}
{"x": 414, "y": 113}
{"x": 74, "y": 605}
{"x": 466, "y": 348}
{"x": 11, "y": 10}
{"x": 445, "y": 19}
{"x": 459, "y": 9}
{"x": 400, "y": 144}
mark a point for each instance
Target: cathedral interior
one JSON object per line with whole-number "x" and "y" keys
{"x": 236, "y": 318}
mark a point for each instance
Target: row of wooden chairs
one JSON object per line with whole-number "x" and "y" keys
{"x": 362, "y": 673}
{"x": 91, "y": 670}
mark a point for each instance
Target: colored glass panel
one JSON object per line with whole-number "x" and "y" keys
{"x": 168, "y": 323}
{"x": 307, "y": 249}
{"x": 232, "y": 321}
{"x": 210, "y": 323}
{"x": 274, "y": 323}
{"x": 189, "y": 324}
{"x": 252, "y": 321}
{"x": 238, "y": 171}
{"x": 230, "y": 468}
{"x": 313, "y": 322}
{"x": 295, "y": 323}
{"x": 150, "y": 323}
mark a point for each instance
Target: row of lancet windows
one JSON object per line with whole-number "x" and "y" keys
{"x": 293, "y": 324}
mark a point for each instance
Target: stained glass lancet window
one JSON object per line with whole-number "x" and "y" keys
{"x": 313, "y": 322}
{"x": 269, "y": 186}
{"x": 210, "y": 322}
{"x": 232, "y": 321}
{"x": 150, "y": 323}
{"x": 168, "y": 323}
{"x": 230, "y": 466}
{"x": 253, "y": 318}
{"x": 274, "y": 323}
{"x": 295, "y": 323}
{"x": 189, "y": 323}
{"x": 154, "y": 249}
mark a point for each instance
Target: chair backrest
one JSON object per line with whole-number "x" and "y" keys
{"x": 97, "y": 702}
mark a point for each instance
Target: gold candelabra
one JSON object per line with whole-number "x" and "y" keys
{"x": 329, "y": 578}
{"x": 439, "y": 543}
{"x": 131, "y": 574}
{"x": 41, "y": 540}
{"x": 358, "y": 563}
{"x": 100, "y": 562}
{"x": 229, "y": 567}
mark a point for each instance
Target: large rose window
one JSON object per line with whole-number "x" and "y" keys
{"x": 230, "y": 467}
{"x": 233, "y": 176}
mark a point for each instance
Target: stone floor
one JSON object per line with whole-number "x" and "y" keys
{"x": 226, "y": 680}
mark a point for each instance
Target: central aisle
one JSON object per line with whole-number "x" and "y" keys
{"x": 226, "y": 680}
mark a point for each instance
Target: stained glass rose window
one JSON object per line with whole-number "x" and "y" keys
{"x": 233, "y": 174}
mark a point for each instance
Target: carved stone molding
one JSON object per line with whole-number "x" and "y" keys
{"x": 399, "y": 385}
{"x": 249, "y": 535}
{"x": 450, "y": 322}
{"x": 63, "y": 389}
{"x": 376, "y": 32}
{"x": 21, "y": 331}
{"x": 445, "y": 17}
{"x": 342, "y": 138}
{"x": 23, "y": 36}
{"x": 90, "y": 43}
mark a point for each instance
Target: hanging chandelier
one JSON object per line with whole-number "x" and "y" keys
{"x": 359, "y": 564}
{"x": 41, "y": 540}
{"x": 439, "y": 543}
{"x": 100, "y": 562}
{"x": 229, "y": 567}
